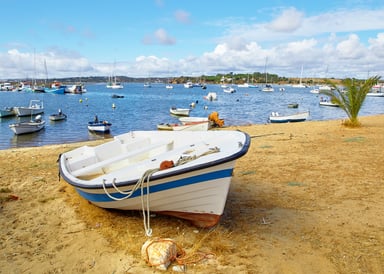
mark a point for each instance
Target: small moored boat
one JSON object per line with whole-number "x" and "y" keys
{"x": 35, "y": 107}
{"x": 7, "y": 111}
{"x": 101, "y": 126}
{"x": 34, "y": 125}
{"x": 327, "y": 103}
{"x": 275, "y": 117}
{"x": 211, "y": 96}
{"x": 185, "y": 174}
{"x": 180, "y": 111}
{"x": 58, "y": 116}
{"x": 194, "y": 126}
{"x": 229, "y": 89}
{"x": 293, "y": 105}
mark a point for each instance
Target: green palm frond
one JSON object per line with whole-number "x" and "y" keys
{"x": 351, "y": 97}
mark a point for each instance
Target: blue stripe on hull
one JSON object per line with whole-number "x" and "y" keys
{"x": 102, "y": 197}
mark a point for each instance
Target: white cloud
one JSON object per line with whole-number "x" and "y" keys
{"x": 350, "y": 48}
{"x": 288, "y": 21}
{"x": 377, "y": 45}
{"x": 163, "y": 37}
{"x": 160, "y": 36}
{"x": 182, "y": 17}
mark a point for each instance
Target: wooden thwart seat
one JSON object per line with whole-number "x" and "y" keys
{"x": 89, "y": 169}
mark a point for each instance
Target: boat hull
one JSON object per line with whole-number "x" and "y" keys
{"x": 57, "y": 117}
{"x": 35, "y": 107}
{"x": 7, "y": 111}
{"x": 375, "y": 94}
{"x": 188, "y": 195}
{"x": 328, "y": 104}
{"x": 297, "y": 117}
{"x": 99, "y": 127}
{"x": 59, "y": 90}
{"x": 27, "y": 127}
{"x": 180, "y": 111}
{"x": 196, "y": 190}
{"x": 193, "y": 126}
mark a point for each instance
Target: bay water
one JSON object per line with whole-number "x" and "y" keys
{"x": 142, "y": 108}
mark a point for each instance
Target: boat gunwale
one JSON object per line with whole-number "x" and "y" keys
{"x": 170, "y": 173}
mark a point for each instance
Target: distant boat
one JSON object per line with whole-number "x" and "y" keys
{"x": 192, "y": 120}
{"x": 188, "y": 84}
{"x": 55, "y": 90}
{"x": 315, "y": 91}
{"x": 293, "y": 105}
{"x": 180, "y": 111}
{"x": 7, "y": 111}
{"x": 184, "y": 174}
{"x": 117, "y": 96}
{"x": 247, "y": 84}
{"x": 35, "y": 107}
{"x": 112, "y": 80}
{"x": 324, "y": 87}
{"x": 327, "y": 102}
{"x": 211, "y": 96}
{"x": 376, "y": 91}
{"x": 101, "y": 126}
{"x": 76, "y": 89}
{"x": 275, "y": 117}
{"x": 115, "y": 85}
{"x": 169, "y": 86}
{"x": 58, "y": 116}
{"x": 267, "y": 87}
{"x": 34, "y": 125}
{"x": 193, "y": 126}
{"x": 229, "y": 89}
{"x": 300, "y": 84}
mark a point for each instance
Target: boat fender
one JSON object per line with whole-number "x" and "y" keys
{"x": 166, "y": 164}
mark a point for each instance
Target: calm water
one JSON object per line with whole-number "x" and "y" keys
{"x": 143, "y": 108}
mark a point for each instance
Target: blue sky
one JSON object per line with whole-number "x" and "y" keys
{"x": 157, "y": 38}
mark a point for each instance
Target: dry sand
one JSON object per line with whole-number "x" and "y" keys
{"x": 307, "y": 198}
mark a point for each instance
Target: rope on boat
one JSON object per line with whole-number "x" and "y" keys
{"x": 146, "y": 178}
{"x": 146, "y": 215}
{"x": 185, "y": 159}
{"x": 144, "y": 203}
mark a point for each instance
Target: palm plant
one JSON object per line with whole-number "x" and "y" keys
{"x": 351, "y": 97}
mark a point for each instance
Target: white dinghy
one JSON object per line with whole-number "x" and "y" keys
{"x": 186, "y": 174}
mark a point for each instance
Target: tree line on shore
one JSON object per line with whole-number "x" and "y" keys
{"x": 239, "y": 78}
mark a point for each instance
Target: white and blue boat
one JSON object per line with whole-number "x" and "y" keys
{"x": 276, "y": 117}
{"x": 99, "y": 126}
{"x": 185, "y": 174}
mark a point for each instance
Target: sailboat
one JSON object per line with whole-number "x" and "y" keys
{"x": 267, "y": 87}
{"x": 300, "y": 85}
{"x": 247, "y": 84}
{"x": 112, "y": 81}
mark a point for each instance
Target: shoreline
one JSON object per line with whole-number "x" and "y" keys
{"x": 304, "y": 199}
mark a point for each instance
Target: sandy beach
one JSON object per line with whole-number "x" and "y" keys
{"x": 307, "y": 198}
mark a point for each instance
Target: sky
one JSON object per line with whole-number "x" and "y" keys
{"x": 166, "y": 38}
